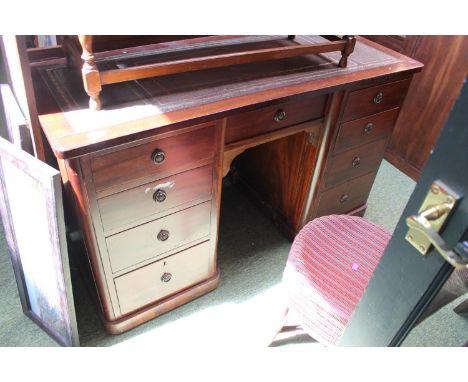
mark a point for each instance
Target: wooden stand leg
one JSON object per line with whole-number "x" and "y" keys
{"x": 90, "y": 73}
{"x": 349, "y": 48}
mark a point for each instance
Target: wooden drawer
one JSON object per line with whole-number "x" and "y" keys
{"x": 163, "y": 278}
{"x": 176, "y": 154}
{"x": 125, "y": 207}
{"x": 146, "y": 241}
{"x": 345, "y": 197}
{"x": 353, "y": 163}
{"x": 365, "y": 130}
{"x": 364, "y": 102}
{"x": 270, "y": 118}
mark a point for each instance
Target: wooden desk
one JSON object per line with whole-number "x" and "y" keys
{"x": 304, "y": 136}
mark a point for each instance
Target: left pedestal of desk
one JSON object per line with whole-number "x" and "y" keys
{"x": 149, "y": 214}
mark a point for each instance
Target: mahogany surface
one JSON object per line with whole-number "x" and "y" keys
{"x": 142, "y": 243}
{"x": 118, "y": 170}
{"x": 346, "y": 196}
{"x": 145, "y": 285}
{"x": 140, "y": 203}
{"x": 430, "y": 99}
{"x": 353, "y": 163}
{"x": 297, "y": 166}
{"x": 365, "y": 130}
{"x": 260, "y": 121}
{"x": 366, "y": 101}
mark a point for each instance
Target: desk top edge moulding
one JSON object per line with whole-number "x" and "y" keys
{"x": 303, "y": 134}
{"x": 303, "y": 74}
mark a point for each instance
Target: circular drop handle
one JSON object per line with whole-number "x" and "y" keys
{"x": 378, "y": 98}
{"x": 159, "y": 196}
{"x": 163, "y": 235}
{"x": 356, "y": 161}
{"x": 166, "y": 277}
{"x": 280, "y": 115}
{"x": 158, "y": 156}
{"x": 368, "y": 128}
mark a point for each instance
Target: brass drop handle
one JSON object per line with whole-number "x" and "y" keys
{"x": 159, "y": 195}
{"x": 163, "y": 235}
{"x": 158, "y": 156}
{"x": 422, "y": 224}
{"x": 166, "y": 277}
{"x": 344, "y": 198}
{"x": 368, "y": 128}
{"x": 378, "y": 98}
{"x": 280, "y": 115}
{"x": 356, "y": 161}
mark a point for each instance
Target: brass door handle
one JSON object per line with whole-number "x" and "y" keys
{"x": 422, "y": 224}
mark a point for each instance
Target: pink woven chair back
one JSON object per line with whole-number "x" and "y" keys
{"x": 329, "y": 266}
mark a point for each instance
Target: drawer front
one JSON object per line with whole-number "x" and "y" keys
{"x": 149, "y": 240}
{"x": 365, "y": 130}
{"x": 163, "y": 278}
{"x": 353, "y": 163}
{"x": 257, "y": 122}
{"x": 345, "y": 197}
{"x": 154, "y": 160}
{"x": 153, "y": 198}
{"x": 375, "y": 99}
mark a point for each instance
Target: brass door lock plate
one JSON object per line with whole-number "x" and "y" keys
{"x": 436, "y": 208}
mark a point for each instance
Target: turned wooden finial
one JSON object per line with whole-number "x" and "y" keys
{"x": 348, "y": 49}
{"x": 90, "y": 73}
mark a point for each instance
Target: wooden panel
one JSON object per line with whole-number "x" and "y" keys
{"x": 142, "y": 243}
{"x": 365, "y": 158}
{"x": 429, "y": 100}
{"x": 365, "y": 130}
{"x": 182, "y": 152}
{"x": 146, "y": 285}
{"x": 260, "y": 121}
{"x": 278, "y": 174}
{"x": 32, "y": 215}
{"x": 345, "y": 197}
{"x": 125, "y": 207}
{"x": 366, "y": 101}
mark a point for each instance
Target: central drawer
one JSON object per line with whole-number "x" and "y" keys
{"x": 163, "y": 278}
{"x": 270, "y": 118}
{"x": 152, "y": 239}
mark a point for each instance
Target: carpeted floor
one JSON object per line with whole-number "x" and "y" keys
{"x": 239, "y": 312}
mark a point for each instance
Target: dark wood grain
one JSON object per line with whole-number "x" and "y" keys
{"x": 142, "y": 243}
{"x": 365, "y": 102}
{"x": 162, "y": 306}
{"x": 250, "y": 124}
{"x": 215, "y": 94}
{"x": 278, "y": 174}
{"x": 145, "y": 285}
{"x": 429, "y": 100}
{"x": 366, "y": 159}
{"x": 200, "y": 63}
{"x": 345, "y": 197}
{"x": 137, "y": 204}
{"x": 202, "y": 120}
{"x": 365, "y": 130}
{"x": 119, "y": 169}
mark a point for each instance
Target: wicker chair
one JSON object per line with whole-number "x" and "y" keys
{"x": 329, "y": 266}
